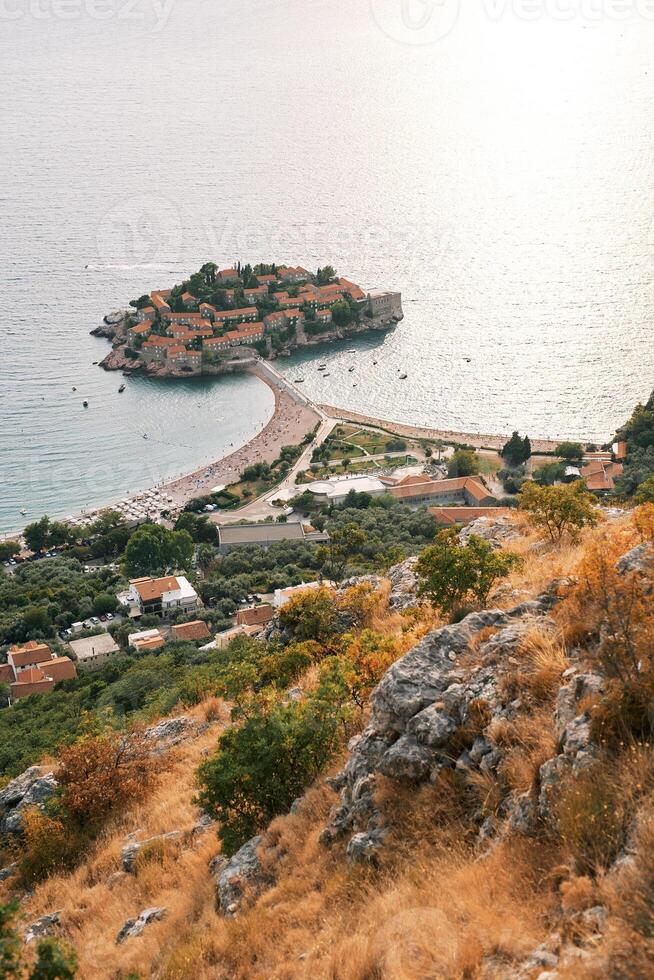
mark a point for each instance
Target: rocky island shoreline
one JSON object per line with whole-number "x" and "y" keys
{"x": 215, "y": 322}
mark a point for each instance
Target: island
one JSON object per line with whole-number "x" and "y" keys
{"x": 219, "y": 319}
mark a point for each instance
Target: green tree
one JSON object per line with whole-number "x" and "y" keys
{"x": 559, "y": 510}
{"x": 645, "y": 493}
{"x": 325, "y": 276}
{"x": 8, "y": 550}
{"x": 451, "y": 574}
{"x": 463, "y": 462}
{"x": 341, "y": 313}
{"x": 549, "y": 474}
{"x": 261, "y": 767}
{"x": 344, "y": 543}
{"x": 516, "y": 450}
{"x": 154, "y": 550}
{"x": 36, "y": 534}
{"x": 104, "y": 603}
{"x": 199, "y": 527}
{"x": 572, "y": 451}
{"x": 209, "y": 270}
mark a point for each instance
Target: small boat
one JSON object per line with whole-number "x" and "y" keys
{"x": 121, "y": 389}
{"x": 23, "y": 510}
{"x": 403, "y": 377}
{"x": 145, "y": 435}
{"x": 321, "y": 367}
{"x": 298, "y": 381}
{"x": 328, "y": 375}
{"x": 353, "y": 351}
{"x": 351, "y": 369}
{"x": 95, "y": 362}
{"x": 354, "y": 385}
{"x": 375, "y": 362}
{"x": 467, "y": 359}
{"x": 85, "y": 403}
{"x": 74, "y": 388}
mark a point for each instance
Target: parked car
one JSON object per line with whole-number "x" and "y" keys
{"x": 110, "y": 616}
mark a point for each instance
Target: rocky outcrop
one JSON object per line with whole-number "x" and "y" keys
{"x": 132, "y": 850}
{"x": 495, "y": 530}
{"x": 34, "y": 787}
{"x": 237, "y": 876}
{"x": 171, "y": 731}
{"x": 404, "y": 585}
{"x": 45, "y": 926}
{"x": 420, "y": 704}
{"x": 639, "y": 560}
{"x": 134, "y": 927}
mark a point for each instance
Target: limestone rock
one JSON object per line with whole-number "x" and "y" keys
{"x": 32, "y": 788}
{"x": 639, "y": 560}
{"x": 363, "y": 848}
{"x": 417, "y": 708}
{"x": 495, "y": 530}
{"x": 132, "y": 850}
{"x": 45, "y": 926}
{"x": 9, "y": 871}
{"x": 172, "y": 730}
{"x": 134, "y": 927}
{"x": 404, "y": 585}
{"x": 242, "y": 872}
{"x": 406, "y": 760}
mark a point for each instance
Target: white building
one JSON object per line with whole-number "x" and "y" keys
{"x": 335, "y": 491}
{"x": 162, "y": 595}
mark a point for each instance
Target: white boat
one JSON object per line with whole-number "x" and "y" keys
{"x": 23, "y": 511}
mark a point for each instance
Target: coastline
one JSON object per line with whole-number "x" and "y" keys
{"x": 294, "y": 415}
{"x": 476, "y": 439}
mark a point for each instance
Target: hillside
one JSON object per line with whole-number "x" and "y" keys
{"x": 490, "y": 817}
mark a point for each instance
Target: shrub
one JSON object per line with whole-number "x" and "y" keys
{"x": 559, "y": 510}
{"x": 310, "y": 615}
{"x": 260, "y": 768}
{"x": 451, "y": 574}
{"x": 49, "y": 846}
{"x": 103, "y": 774}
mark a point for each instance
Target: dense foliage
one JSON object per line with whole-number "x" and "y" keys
{"x": 45, "y": 596}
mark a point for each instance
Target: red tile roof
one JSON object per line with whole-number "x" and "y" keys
{"x": 153, "y": 588}
{"x": 197, "y": 630}
{"x": 254, "y": 616}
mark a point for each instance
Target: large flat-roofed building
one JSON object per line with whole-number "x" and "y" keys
{"x": 93, "y": 652}
{"x": 162, "y": 595}
{"x": 263, "y": 535}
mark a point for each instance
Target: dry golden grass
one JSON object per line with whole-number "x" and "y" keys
{"x": 435, "y": 906}
{"x": 92, "y": 911}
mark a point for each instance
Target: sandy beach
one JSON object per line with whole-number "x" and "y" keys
{"x": 290, "y": 422}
